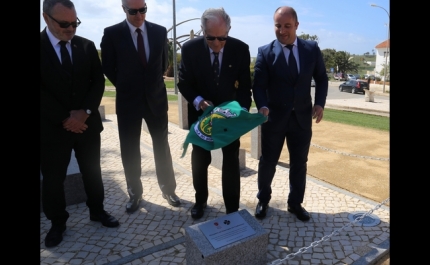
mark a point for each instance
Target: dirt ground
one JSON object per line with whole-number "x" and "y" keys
{"x": 352, "y": 158}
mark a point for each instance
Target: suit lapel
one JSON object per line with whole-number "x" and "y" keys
{"x": 278, "y": 50}
{"x": 128, "y": 40}
{"x": 52, "y": 55}
{"x": 302, "y": 54}
{"x": 150, "y": 32}
{"x": 207, "y": 63}
{"x": 77, "y": 55}
{"x": 279, "y": 62}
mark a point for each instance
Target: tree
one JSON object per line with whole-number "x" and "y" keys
{"x": 382, "y": 72}
{"x": 328, "y": 58}
{"x": 309, "y": 37}
{"x": 342, "y": 60}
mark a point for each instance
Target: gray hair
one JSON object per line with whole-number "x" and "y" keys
{"x": 215, "y": 14}
{"x": 48, "y": 5}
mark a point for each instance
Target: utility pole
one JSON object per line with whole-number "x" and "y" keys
{"x": 174, "y": 49}
{"x": 388, "y": 43}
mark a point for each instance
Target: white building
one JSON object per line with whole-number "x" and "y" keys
{"x": 382, "y": 50}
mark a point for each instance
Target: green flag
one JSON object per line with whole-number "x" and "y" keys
{"x": 221, "y": 125}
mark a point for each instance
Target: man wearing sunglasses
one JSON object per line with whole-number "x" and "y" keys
{"x": 134, "y": 59}
{"x": 202, "y": 85}
{"x": 69, "y": 117}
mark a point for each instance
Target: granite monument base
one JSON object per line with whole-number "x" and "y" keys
{"x": 247, "y": 251}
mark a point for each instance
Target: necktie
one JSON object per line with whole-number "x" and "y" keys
{"x": 292, "y": 64}
{"x": 215, "y": 67}
{"x": 66, "y": 62}
{"x": 141, "y": 47}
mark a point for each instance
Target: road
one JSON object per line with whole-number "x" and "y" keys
{"x": 334, "y": 93}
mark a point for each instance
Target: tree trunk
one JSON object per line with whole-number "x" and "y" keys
{"x": 169, "y": 71}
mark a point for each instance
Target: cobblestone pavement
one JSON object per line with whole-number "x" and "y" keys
{"x": 155, "y": 233}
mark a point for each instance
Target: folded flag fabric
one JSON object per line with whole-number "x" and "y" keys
{"x": 221, "y": 125}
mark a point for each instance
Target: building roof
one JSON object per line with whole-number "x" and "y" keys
{"x": 383, "y": 44}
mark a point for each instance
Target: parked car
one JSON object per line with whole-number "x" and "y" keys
{"x": 372, "y": 77}
{"x": 339, "y": 76}
{"x": 354, "y": 86}
{"x": 312, "y": 82}
{"x": 357, "y": 76}
{"x": 350, "y": 77}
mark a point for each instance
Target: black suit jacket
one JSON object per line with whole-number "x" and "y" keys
{"x": 273, "y": 88}
{"x": 136, "y": 85}
{"x": 60, "y": 93}
{"x": 196, "y": 75}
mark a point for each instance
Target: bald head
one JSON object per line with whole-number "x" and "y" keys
{"x": 286, "y": 24}
{"x": 286, "y": 11}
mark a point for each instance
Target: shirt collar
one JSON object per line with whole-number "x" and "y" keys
{"x": 54, "y": 41}
{"x": 133, "y": 28}
{"x": 294, "y": 43}
{"x": 220, "y": 51}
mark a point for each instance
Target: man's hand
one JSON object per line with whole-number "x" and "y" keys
{"x": 76, "y": 122}
{"x": 204, "y": 104}
{"x": 317, "y": 113}
{"x": 265, "y": 111}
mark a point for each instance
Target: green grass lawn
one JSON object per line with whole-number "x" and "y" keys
{"x": 340, "y": 116}
{"x": 358, "y": 119}
{"x": 169, "y": 84}
{"x": 107, "y": 82}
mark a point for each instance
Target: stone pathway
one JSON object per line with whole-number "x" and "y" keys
{"x": 155, "y": 233}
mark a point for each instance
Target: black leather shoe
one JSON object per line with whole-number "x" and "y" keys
{"x": 261, "y": 210}
{"x": 300, "y": 212}
{"x": 172, "y": 199}
{"x": 198, "y": 210}
{"x": 55, "y": 235}
{"x": 105, "y": 218}
{"x": 133, "y": 204}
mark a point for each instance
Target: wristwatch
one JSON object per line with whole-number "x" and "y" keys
{"x": 88, "y": 111}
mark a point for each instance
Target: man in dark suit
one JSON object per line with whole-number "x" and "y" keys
{"x": 69, "y": 116}
{"x": 134, "y": 58}
{"x": 202, "y": 85}
{"x": 284, "y": 96}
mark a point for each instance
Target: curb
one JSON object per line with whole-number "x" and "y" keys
{"x": 357, "y": 109}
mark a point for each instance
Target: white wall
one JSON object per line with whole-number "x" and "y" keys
{"x": 380, "y": 59}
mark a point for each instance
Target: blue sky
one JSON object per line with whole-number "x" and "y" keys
{"x": 351, "y": 26}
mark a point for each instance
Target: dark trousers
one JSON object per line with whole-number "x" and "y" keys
{"x": 129, "y": 129}
{"x": 298, "y": 142}
{"x": 54, "y": 160}
{"x": 200, "y": 161}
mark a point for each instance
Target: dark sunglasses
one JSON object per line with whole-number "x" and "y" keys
{"x": 65, "y": 25}
{"x": 134, "y": 11}
{"x": 210, "y": 38}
